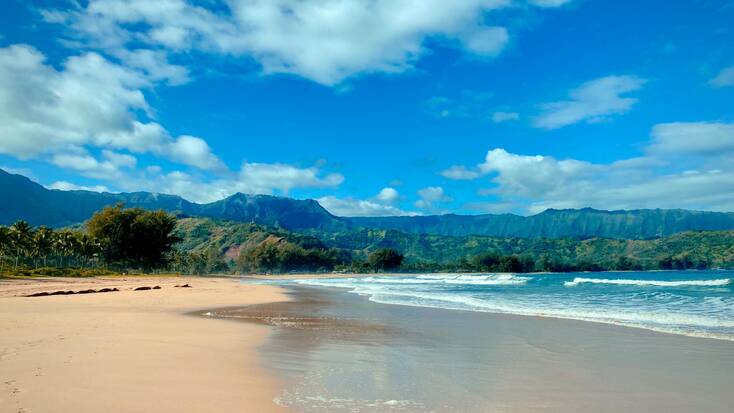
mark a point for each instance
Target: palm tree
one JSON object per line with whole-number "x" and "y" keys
{"x": 43, "y": 243}
{"x": 65, "y": 245}
{"x": 20, "y": 239}
{"x": 88, "y": 247}
{"x": 4, "y": 245}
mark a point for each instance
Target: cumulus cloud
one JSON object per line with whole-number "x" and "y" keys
{"x": 458, "y": 172}
{"x": 110, "y": 168}
{"x": 68, "y": 186}
{"x": 724, "y": 78}
{"x": 382, "y": 204}
{"x": 89, "y": 102}
{"x": 252, "y": 178}
{"x": 430, "y": 197}
{"x": 351, "y": 207}
{"x": 593, "y": 101}
{"x": 326, "y": 41}
{"x": 388, "y": 195}
{"x": 686, "y": 165}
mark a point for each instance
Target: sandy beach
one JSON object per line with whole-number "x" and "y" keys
{"x": 131, "y": 351}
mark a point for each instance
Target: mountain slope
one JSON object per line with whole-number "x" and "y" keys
{"x": 21, "y": 198}
{"x": 578, "y": 223}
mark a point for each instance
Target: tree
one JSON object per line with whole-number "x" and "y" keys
{"x": 134, "y": 237}
{"x": 20, "y": 239}
{"x": 43, "y": 243}
{"x": 87, "y": 247}
{"x": 385, "y": 259}
{"x": 4, "y": 245}
{"x": 488, "y": 261}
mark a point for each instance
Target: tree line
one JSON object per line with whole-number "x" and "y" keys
{"x": 115, "y": 238}
{"x": 494, "y": 261}
{"x": 23, "y": 245}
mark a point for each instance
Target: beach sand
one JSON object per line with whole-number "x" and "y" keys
{"x": 131, "y": 351}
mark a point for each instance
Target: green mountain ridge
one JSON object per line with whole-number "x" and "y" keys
{"x": 686, "y": 250}
{"x": 21, "y": 198}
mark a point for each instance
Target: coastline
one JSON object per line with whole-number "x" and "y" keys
{"x": 341, "y": 352}
{"x": 287, "y": 278}
{"x": 132, "y": 351}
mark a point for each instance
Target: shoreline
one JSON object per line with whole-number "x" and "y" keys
{"x": 619, "y": 324}
{"x": 132, "y": 351}
{"x": 338, "y": 352}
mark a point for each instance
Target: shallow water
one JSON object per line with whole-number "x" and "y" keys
{"x": 695, "y": 303}
{"x": 341, "y": 352}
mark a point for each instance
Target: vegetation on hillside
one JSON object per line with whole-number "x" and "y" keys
{"x": 133, "y": 239}
{"x": 688, "y": 250}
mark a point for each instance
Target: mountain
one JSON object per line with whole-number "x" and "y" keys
{"x": 715, "y": 248}
{"x": 705, "y": 249}
{"x": 270, "y": 210}
{"x": 555, "y": 223}
{"x": 21, "y": 198}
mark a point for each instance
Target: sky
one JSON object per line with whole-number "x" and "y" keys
{"x": 376, "y": 107}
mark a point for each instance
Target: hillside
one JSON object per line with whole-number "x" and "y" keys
{"x": 712, "y": 249}
{"x": 553, "y": 223}
{"x": 715, "y": 248}
{"x": 21, "y": 198}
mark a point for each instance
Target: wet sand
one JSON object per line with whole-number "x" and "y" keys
{"x": 338, "y": 352}
{"x": 131, "y": 351}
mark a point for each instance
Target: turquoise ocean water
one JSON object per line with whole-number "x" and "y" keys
{"x": 693, "y": 303}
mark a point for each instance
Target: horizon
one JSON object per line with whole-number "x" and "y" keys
{"x": 467, "y": 108}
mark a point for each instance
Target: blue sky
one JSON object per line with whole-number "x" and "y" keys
{"x": 376, "y": 107}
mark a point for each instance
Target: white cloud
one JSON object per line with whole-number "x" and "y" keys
{"x": 591, "y": 102}
{"x": 499, "y": 117}
{"x": 68, "y": 186}
{"x": 388, "y": 195}
{"x": 285, "y": 177}
{"x": 431, "y": 196}
{"x": 724, "y": 78}
{"x": 19, "y": 171}
{"x": 351, "y": 207}
{"x": 687, "y": 165}
{"x": 488, "y": 41}
{"x": 458, "y": 172}
{"x": 194, "y": 151}
{"x": 90, "y": 102}
{"x": 87, "y": 165}
{"x": 693, "y": 138}
{"x": 252, "y": 178}
{"x": 155, "y": 65}
{"x": 323, "y": 40}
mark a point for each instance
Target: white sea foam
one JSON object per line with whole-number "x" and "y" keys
{"x": 655, "y": 283}
{"x": 658, "y": 320}
{"x": 655, "y": 308}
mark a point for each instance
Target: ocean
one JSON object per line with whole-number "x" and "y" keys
{"x": 691, "y": 303}
{"x": 502, "y": 342}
